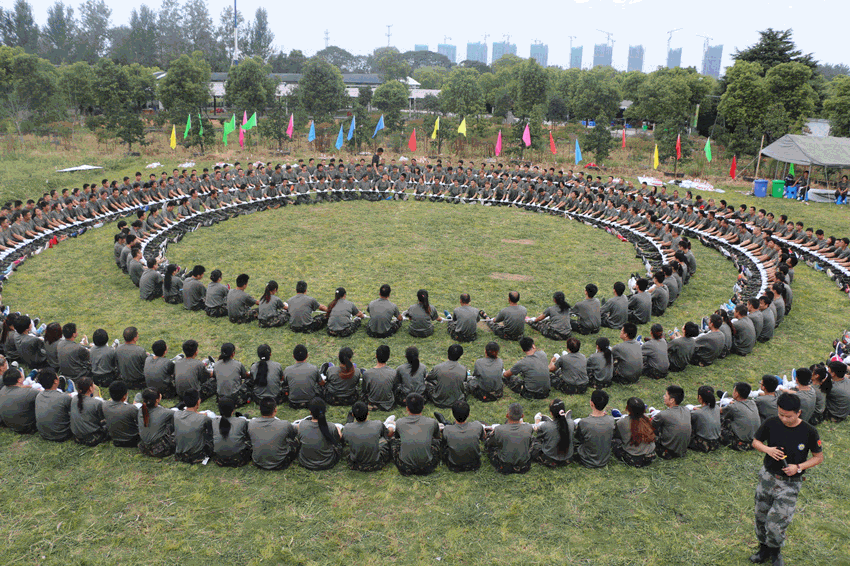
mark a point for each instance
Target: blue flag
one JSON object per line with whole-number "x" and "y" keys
{"x": 312, "y": 135}
{"x": 351, "y": 127}
{"x": 380, "y": 126}
{"x": 578, "y": 153}
{"x": 338, "y": 143}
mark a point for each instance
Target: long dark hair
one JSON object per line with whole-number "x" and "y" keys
{"x": 561, "y": 301}
{"x": 267, "y": 293}
{"x": 52, "y": 333}
{"x": 707, "y": 394}
{"x": 724, "y": 314}
{"x": 559, "y": 413}
{"x": 84, "y": 385}
{"x": 8, "y": 324}
{"x": 641, "y": 427}
{"x": 227, "y": 351}
{"x": 226, "y": 406}
{"x": 422, "y": 297}
{"x": 412, "y": 355}
{"x": 604, "y": 346}
{"x": 346, "y": 367}
{"x": 264, "y": 352}
{"x": 317, "y": 411}
{"x": 169, "y": 273}
{"x": 338, "y": 295}
{"x": 150, "y": 396}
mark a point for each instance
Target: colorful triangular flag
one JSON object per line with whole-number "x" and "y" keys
{"x": 351, "y": 127}
{"x": 552, "y": 147}
{"x": 339, "y": 138}
{"x": 290, "y": 129}
{"x": 312, "y": 135}
{"x": 655, "y": 160}
{"x": 734, "y": 169}
{"x": 251, "y": 123}
{"x": 188, "y": 126}
{"x": 526, "y": 136}
{"x": 624, "y": 137}
{"x": 241, "y": 137}
{"x": 679, "y": 146}
{"x": 462, "y": 128}
{"x": 436, "y": 128}
{"x": 791, "y": 170}
{"x": 229, "y": 127}
{"x": 200, "y": 125}
{"x": 578, "y": 153}
{"x": 499, "y": 144}
{"x": 379, "y": 126}
{"x": 173, "y": 143}
{"x": 411, "y": 143}
{"x": 707, "y": 149}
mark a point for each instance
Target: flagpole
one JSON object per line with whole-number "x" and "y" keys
{"x": 758, "y": 164}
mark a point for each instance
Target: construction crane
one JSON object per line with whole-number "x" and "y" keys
{"x": 389, "y": 34}
{"x": 446, "y": 39}
{"x": 707, "y": 39}
{"x": 327, "y": 39}
{"x": 486, "y": 35}
{"x": 507, "y": 39}
{"x": 670, "y": 36}
{"x": 610, "y": 36}
{"x": 572, "y": 37}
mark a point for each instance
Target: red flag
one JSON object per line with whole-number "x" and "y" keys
{"x": 624, "y": 137}
{"x": 552, "y": 147}
{"x": 411, "y": 143}
{"x": 734, "y": 168}
{"x": 679, "y": 146}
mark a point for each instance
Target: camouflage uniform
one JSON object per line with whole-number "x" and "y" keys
{"x": 776, "y": 498}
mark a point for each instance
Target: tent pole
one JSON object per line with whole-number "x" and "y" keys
{"x": 758, "y": 164}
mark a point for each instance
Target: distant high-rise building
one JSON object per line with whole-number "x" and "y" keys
{"x": 711, "y": 61}
{"x": 420, "y": 47}
{"x": 476, "y": 52}
{"x": 449, "y": 51}
{"x": 540, "y": 53}
{"x": 575, "y": 57}
{"x": 674, "y": 58}
{"x": 603, "y": 55}
{"x": 502, "y": 48}
{"x": 635, "y": 58}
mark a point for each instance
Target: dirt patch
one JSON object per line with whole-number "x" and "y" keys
{"x": 511, "y": 277}
{"x": 523, "y": 242}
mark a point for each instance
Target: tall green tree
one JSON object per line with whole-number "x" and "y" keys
{"x": 94, "y": 26}
{"x": 596, "y": 92}
{"x": 118, "y": 94}
{"x": 59, "y": 34}
{"x": 391, "y": 98}
{"x": 431, "y": 77}
{"x": 669, "y": 95}
{"x": 598, "y": 139}
{"x": 338, "y": 57}
{"x": 321, "y": 88}
{"x": 170, "y": 24}
{"x": 250, "y": 86}
{"x": 837, "y": 106}
{"x": 30, "y": 95}
{"x": 532, "y": 82}
{"x": 273, "y": 125}
{"x": 789, "y": 85}
{"x": 77, "y": 82}
{"x": 260, "y": 36}
{"x": 461, "y": 94}
{"x": 744, "y": 105}
{"x": 775, "y": 47}
{"x": 389, "y": 63}
{"x": 200, "y": 36}
{"x": 19, "y": 27}
{"x": 184, "y": 92}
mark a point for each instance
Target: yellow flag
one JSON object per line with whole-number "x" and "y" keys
{"x": 436, "y": 127}
{"x": 655, "y": 158}
{"x": 173, "y": 137}
{"x": 462, "y": 128}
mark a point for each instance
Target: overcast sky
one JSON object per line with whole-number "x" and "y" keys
{"x": 820, "y": 26}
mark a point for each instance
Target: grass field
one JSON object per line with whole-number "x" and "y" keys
{"x": 64, "y": 504}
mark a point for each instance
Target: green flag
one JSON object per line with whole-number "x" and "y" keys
{"x": 201, "y": 126}
{"x": 188, "y": 126}
{"x": 229, "y": 126}
{"x": 708, "y": 149}
{"x": 251, "y": 123}
{"x": 696, "y": 117}
{"x": 791, "y": 170}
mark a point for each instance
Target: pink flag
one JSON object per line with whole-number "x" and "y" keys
{"x": 244, "y": 117}
{"x": 241, "y": 137}
{"x": 411, "y": 143}
{"x": 291, "y": 127}
{"x": 499, "y": 144}
{"x": 526, "y": 136}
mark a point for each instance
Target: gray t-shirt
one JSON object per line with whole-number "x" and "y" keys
{"x": 131, "y": 363}
{"x": 447, "y": 379}
{"x": 340, "y": 316}
{"x": 623, "y": 431}
{"x": 628, "y": 359}
{"x": 194, "y": 294}
{"x": 32, "y": 351}
{"x": 239, "y": 303}
{"x": 588, "y": 314}
{"x": 838, "y": 400}
{"x": 488, "y": 372}
{"x": 74, "y": 359}
{"x": 90, "y": 419}
{"x": 271, "y": 308}
{"x": 660, "y": 298}
{"x": 513, "y": 317}
{"x": 416, "y": 433}
{"x": 768, "y": 325}
{"x": 466, "y": 320}
{"x": 189, "y": 374}
{"x": 270, "y": 441}
{"x": 150, "y": 285}
{"x": 216, "y": 295}
{"x": 594, "y": 435}
{"x": 559, "y": 320}
{"x": 381, "y": 312}
{"x": 615, "y": 311}
{"x": 160, "y": 424}
{"x": 808, "y": 399}
{"x": 549, "y": 435}
{"x": 159, "y": 373}
{"x": 766, "y": 405}
{"x": 379, "y": 387}
{"x": 303, "y": 381}
{"x": 463, "y": 443}
{"x": 121, "y": 420}
{"x": 573, "y": 368}
{"x": 534, "y": 370}
{"x": 103, "y": 360}
{"x": 364, "y": 440}
{"x": 237, "y": 439}
{"x": 411, "y": 381}
{"x": 228, "y": 376}
{"x": 744, "y": 339}
{"x": 274, "y": 376}
{"x": 192, "y": 432}
{"x": 53, "y": 415}
{"x": 598, "y": 369}
{"x": 640, "y": 307}
{"x": 317, "y": 452}
{"x": 705, "y": 422}
{"x": 708, "y": 347}
{"x": 420, "y": 321}
{"x": 743, "y": 419}
{"x": 301, "y": 308}
{"x": 512, "y": 443}
{"x": 654, "y": 354}
{"x": 673, "y": 426}
{"x": 680, "y": 351}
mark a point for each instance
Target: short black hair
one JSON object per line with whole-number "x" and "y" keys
{"x": 299, "y": 353}
{"x": 676, "y": 393}
{"x": 526, "y": 343}
{"x": 455, "y": 352}
{"x": 191, "y": 397}
{"x": 743, "y": 388}
{"x": 301, "y": 287}
{"x": 117, "y": 390}
{"x": 460, "y": 410}
{"x": 415, "y": 403}
{"x": 630, "y": 328}
{"x": 382, "y": 353}
{"x": 159, "y": 348}
{"x": 788, "y": 402}
{"x": 599, "y": 398}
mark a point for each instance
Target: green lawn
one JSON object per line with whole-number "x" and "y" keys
{"x": 71, "y": 505}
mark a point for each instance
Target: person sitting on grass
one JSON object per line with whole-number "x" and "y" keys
{"x": 274, "y": 443}
{"x": 672, "y": 425}
{"x": 411, "y": 376}
{"x": 445, "y": 383}
{"x": 156, "y": 426}
{"x": 766, "y": 401}
{"x": 367, "y": 440}
{"x": 588, "y": 318}
{"x": 193, "y": 435}
{"x": 321, "y": 445}
{"x": 740, "y": 419}
{"x": 628, "y": 357}
{"x": 230, "y": 376}
{"x": 509, "y": 445}
{"x": 568, "y": 373}
{"x": 554, "y": 322}
{"x": 529, "y": 376}
{"x": 509, "y": 324}
{"x": 271, "y": 312}
{"x": 486, "y": 383}
{"x": 342, "y": 380}
{"x": 656, "y": 364}
{"x": 595, "y": 433}
{"x": 87, "y": 421}
{"x": 838, "y": 399}
{"x": 600, "y": 365}
{"x": 705, "y": 422}
{"x": 231, "y": 443}
{"x": 52, "y": 408}
{"x": 17, "y": 402}
{"x": 614, "y": 312}
{"x": 553, "y": 446}
{"x": 634, "y": 436}
{"x": 380, "y": 382}
{"x": 461, "y": 445}
{"x": 680, "y": 350}
{"x": 416, "y": 445}
{"x": 121, "y": 417}
{"x": 301, "y": 380}
{"x": 240, "y": 304}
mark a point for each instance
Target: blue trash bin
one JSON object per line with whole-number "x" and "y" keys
{"x": 760, "y": 188}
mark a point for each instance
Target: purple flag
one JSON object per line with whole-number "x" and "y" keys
{"x": 499, "y": 144}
